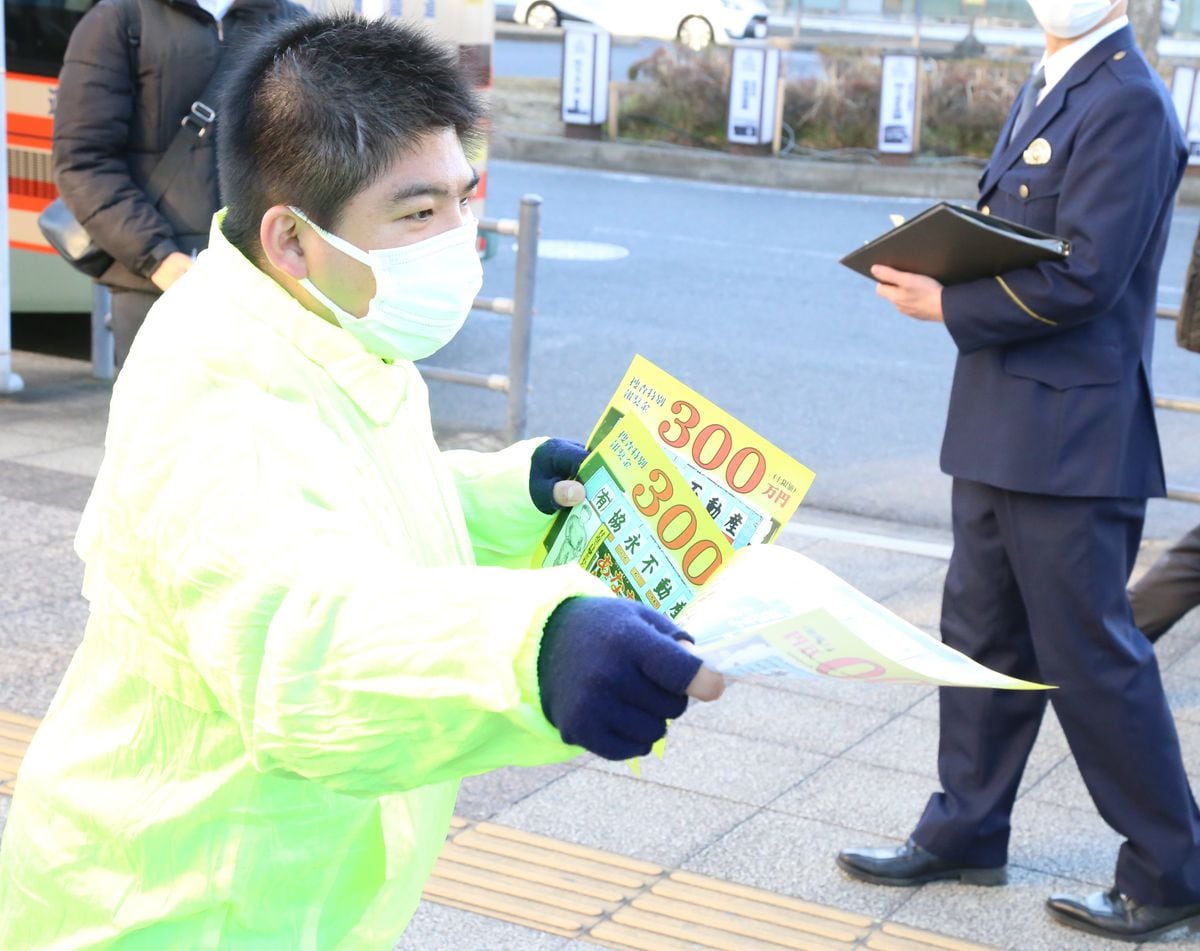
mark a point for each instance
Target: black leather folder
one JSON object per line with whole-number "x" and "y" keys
{"x": 955, "y": 244}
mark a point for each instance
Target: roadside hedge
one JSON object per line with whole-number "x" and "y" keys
{"x": 682, "y": 97}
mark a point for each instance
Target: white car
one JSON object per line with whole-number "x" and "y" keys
{"x": 695, "y": 23}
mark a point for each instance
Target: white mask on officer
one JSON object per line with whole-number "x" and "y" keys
{"x": 1067, "y": 19}
{"x": 423, "y": 291}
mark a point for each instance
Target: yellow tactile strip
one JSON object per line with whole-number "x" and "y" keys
{"x": 15, "y": 733}
{"x": 608, "y": 899}
{"x": 619, "y": 902}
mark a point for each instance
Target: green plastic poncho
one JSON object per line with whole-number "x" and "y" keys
{"x": 294, "y": 650}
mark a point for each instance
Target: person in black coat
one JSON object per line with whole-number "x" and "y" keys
{"x": 132, "y": 70}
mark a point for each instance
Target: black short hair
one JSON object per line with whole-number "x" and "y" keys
{"x": 317, "y": 109}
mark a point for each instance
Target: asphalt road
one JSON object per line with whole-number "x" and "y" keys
{"x": 737, "y": 291}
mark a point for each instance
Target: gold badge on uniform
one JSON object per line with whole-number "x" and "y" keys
{"x": 1038, "y": 152}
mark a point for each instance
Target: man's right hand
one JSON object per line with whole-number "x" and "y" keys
{"x": 172, "y": 268}
{"x": 612, "y": 672}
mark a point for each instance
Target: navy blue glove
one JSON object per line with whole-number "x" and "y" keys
{"x": 612, "y": 673}
{"x": 552, "y": 461}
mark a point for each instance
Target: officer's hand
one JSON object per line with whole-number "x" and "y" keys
{"x": 913, "y": 294}
{"x": 612, "y": 673}
{"x": 552, "y": 471}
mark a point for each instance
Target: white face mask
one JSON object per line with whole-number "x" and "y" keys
{"x": 1068, "y": 19}
{"x": 423, "y": 292}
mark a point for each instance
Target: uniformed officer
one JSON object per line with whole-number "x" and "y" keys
{"x": 1052, "y": 444}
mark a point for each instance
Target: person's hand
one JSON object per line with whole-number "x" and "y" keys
{"x": 612, "y": 672}
{"x": 552, "y": 471}
{"x": 913, "y": 294}
{"x": 172, "y": 268}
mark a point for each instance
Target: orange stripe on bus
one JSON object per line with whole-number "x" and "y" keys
{"x": 31, "y": 125}
{"x": 29, "y": 142}
{"x": 26, "y": 246}
{"x": 28, "y": 202}
{"x": 28, "y": 78}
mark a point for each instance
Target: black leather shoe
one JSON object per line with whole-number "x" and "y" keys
{"x": 910, "y": 865}
{"x": 1118, "y": 916}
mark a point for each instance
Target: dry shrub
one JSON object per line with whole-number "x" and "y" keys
{"x": 966, "y": 103}
{"x": 839, "y": 110}
{"x": 682, "y": 97}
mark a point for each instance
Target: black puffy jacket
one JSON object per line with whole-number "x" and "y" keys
{"x": 131, "y": 72}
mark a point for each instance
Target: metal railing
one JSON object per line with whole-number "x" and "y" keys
{"x": 519, "y": 308}
{"x": 1178, "y": 404}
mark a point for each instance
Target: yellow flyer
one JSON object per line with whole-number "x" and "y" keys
{"x": 641, "y": 529}
{"x": 748, "y": 487}
{"x": 774, "y": 612}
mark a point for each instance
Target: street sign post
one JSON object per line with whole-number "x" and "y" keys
{"x": 586, "y": 66}
{"x": 753, "y": 96}
{"x": 898, "y": 106}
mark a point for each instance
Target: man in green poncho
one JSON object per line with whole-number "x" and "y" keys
{"x": 307, "y": 623}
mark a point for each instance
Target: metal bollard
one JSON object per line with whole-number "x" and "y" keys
{"x": 522, "y": 319}
{"x": 102, "y": 337}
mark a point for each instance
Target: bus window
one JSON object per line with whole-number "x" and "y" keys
{"x": 36, "y": 34}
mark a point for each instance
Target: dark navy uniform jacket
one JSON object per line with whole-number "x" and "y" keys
{"x": 1051, "y": 390}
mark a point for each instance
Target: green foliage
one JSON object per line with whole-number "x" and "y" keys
{"x": 682, "y": 97}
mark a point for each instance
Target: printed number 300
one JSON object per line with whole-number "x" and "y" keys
{"x": 737, "y": 476}
{"x": 676, "y": 528}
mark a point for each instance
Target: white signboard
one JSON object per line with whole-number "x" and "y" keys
{"x": 585, "y": 74}
{"x": 1187, "y": 109}
{"x": 753, "y": 89}
{"x": 898, "y": 105}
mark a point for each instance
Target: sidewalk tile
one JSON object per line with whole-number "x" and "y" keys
{"x": 482, "y": 796}
{"x": 892, "y": 698}
{"x": 58, "y": 625}
{"x": 77, "y": 460}
{"x": 64, "y": 426}
{"x": 921, "y": 602}
{"x": 41, "y": 672}
{"x": 753, "y": 772}
{"x": 1012, "y": 917}
{"x": 64, "y": 489}
{"x": 793, "y": 856}
{"x": 873, "y": 800}
{"x": 14, "y": 444}
{"x": 1070, "y": 843}
{"x": 909, "y": 743}
{"x": 32, "y": 523}
{"x": 881, "y": 576}
{"x": 626, "y": 815}
{"x": 806, "y": 723}
{"x": 38, "y": 575}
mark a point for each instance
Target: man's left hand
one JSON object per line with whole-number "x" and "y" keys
{"x": 552, "y": 471}
{"x": 913, "y": 294}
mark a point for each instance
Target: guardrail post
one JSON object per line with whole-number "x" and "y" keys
{"x": 102, "y": 337}
{"x": 522, "y": 318}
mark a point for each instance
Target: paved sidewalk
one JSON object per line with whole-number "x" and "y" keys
{"x": 760, "y": 789}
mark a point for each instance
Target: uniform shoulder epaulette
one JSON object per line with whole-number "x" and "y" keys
{"x": 1125, "y": 65}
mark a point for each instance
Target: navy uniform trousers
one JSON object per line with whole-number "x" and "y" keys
{"x": 1036, "y": 589}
